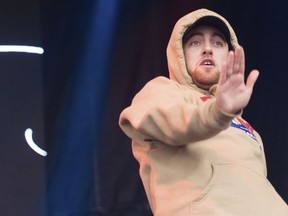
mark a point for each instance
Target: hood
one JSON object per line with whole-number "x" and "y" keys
{"x": 175, "y": 55}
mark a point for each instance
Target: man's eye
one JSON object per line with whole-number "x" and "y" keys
{"x": 218, "y": 44}
{"x": 194, "y": 43}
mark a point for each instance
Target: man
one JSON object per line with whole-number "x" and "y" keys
{"x": 197, "y": 155}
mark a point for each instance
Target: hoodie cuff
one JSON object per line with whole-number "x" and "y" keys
{"x": 223, "y": 118}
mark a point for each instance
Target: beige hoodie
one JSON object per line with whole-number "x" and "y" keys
{"x": 195, "y": 159}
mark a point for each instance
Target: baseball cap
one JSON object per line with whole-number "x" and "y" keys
{"x": 210, "y": 21}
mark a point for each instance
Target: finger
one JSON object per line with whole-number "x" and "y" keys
{"x": 242, "y": 61}
{"x": 252, "y": 78}
{"x": 237, "y": 59}
{"x": 223, "y": 74}
{"x": 230, "y": 63}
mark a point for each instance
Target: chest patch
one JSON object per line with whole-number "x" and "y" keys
{"x": 244, "y": 126}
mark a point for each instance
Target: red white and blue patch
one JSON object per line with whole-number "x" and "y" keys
{"x": 244, "y": 126}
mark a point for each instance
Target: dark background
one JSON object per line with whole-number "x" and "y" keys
{"x": 98, "y": 54}
{"x": 23, "y": 172}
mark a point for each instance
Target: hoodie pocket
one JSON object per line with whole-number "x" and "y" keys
{"x": 211, "y": 184}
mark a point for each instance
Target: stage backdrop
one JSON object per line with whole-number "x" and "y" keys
{"x": 99, "y": 54}
{"x": 23, "y": 175}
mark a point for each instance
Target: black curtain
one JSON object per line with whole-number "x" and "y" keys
{"x": 137, "y": 54}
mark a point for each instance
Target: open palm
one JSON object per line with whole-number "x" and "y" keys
{"x": 233, "y": 94}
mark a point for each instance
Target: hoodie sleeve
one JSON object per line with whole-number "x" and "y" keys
{"x": 160, "y": 112}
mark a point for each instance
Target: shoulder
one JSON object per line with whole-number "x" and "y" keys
{"x": 157, "y": 89}
{"x": 162, "y": 82}
{"x": 162, "y": 89}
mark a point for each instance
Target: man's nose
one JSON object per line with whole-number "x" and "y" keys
{"x": 207, "y": 49}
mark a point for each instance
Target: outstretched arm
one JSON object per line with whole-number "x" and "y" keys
{"x": 233, "y": 94}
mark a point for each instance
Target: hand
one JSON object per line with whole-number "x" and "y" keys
{"x": 232, "y": 93}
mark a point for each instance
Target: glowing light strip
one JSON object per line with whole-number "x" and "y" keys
{"x": 28, "y": 136}
{"x": 16, "y": 48}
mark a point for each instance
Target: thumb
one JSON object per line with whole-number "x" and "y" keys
{"x": 252, "y": 78}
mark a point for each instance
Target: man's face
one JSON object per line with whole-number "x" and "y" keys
{"x": 205, "y": 51}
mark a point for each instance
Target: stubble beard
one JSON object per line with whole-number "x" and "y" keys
{"x": 204, "y": 78}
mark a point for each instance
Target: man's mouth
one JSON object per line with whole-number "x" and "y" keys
{"x": 207, "y": 63}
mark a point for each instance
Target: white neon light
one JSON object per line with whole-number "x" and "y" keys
{"x": 20, "y": 48}
{"x": 28, "y": 136}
